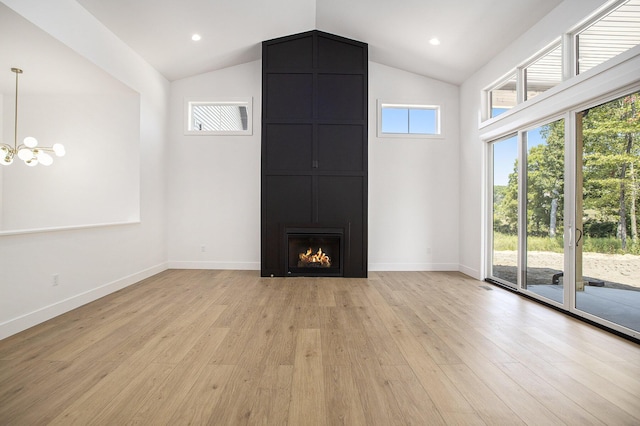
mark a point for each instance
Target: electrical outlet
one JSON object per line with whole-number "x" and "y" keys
{"x": 54, "y": 279}
{"x": 203, "y": 248}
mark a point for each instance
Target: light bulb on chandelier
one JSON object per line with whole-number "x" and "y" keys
{"x": 28, "y": 151}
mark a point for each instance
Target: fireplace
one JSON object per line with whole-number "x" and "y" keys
{"x": 314, "y": 251}
{"x": 314, "y": 156}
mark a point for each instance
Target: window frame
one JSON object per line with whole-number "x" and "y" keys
{"x": 574, "y": 33}
{"x": 520, "y": 79}
{"x": 569, "y": 59}
{"x": 556, "y": 44}
{"x": 438, "y": 108}
{"x": 189, "y": 102}
{"x": 502, "y": 81}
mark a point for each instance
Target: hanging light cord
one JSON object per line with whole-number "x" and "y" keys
{"x": 15, "y": 121}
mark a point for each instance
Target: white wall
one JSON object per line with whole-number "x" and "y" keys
{"x": 214, "y": 181}
{"x": 413, "y": 183}
{"x": 98, "y": 131}
{"x": 90, "y": 262}
{"x": 2, "y": 128}
{"x": 473, "y": 150}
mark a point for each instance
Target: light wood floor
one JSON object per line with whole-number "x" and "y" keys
{"x": 231, "y": 348}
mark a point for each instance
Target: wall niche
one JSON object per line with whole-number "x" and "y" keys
{"x": 314, "y": 145}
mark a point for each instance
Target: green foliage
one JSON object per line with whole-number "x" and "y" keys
{"x": 607, "y": 245}
{"x": 599, "y": 228}
{"x": 505, "y": 242}
{"x": 610, "y": 245}
{"x": 611, "y": 156}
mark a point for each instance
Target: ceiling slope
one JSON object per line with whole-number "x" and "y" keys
{"x": 471, "y": 31}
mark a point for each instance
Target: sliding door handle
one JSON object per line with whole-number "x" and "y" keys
{"x": 579, "y": 233}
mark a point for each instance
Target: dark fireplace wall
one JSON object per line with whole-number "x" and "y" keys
{"x": 314, "y": 144}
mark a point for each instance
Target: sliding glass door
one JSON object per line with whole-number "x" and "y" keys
{"x": 545, "y": 210}
{"x": 564, "y": 199}
{"x": 607, "y": 254}
{"x": 535, "y": 187}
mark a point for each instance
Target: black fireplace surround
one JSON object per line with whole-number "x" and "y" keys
{"x": 314, "y": 156}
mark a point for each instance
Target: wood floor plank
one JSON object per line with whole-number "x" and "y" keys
{"x": 271, "y": 406}
{"x": 430, "y": 341}
{"x": 166, "y": 399}
{"x": 185, "y": 332}
{"x": 376, "y": 396}
{"x": 479, "y": 356}
{"x": 564, "y": 408}
{"x": 451, "y": 404}
{"x": 236, "y": 402}
{"x": 117, "y": 397}
{"x": 486, "y": 403}
{"x": 397, "y": 348}
{"x": 343, "y": 405}
{"x": 326, "y": 294}
{"x": 335, "y": 348}
{"x": 416, "y": 406}
{"x": 531, "y": 353}
{"x": 199, "y": 404}
{"x": 55, "y": 393}
{"x": 307, "y": 388}
{"x": 384, "y": 348}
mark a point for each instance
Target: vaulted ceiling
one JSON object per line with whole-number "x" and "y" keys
{"x": 398, "y": 32}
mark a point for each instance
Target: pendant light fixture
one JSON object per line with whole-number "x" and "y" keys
{"x": 28, "y": 151}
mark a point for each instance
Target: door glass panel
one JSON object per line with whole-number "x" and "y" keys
{"x": 545, "y": 207}
{"x": 505, "y": 210}
{"x": 607, "y": 247}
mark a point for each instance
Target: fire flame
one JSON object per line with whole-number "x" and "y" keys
{"x": 315, "y": 258}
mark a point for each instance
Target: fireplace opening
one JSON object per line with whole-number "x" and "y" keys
{"x": 314, "y": 252}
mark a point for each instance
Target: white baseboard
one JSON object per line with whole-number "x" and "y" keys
{"x": 233, "y": 266}
{"x": 23, "y": 322}
{"x": 473, "y": 273}
{"x": 413, "y": 267}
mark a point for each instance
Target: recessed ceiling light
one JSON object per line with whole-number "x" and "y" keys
{"x": 196, "y": 37}
{"x": 434, "y": 41}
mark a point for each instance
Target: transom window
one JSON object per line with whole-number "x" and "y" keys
{"x": 408, "y": 120}
{"x": 543, "y": 73}
{"x": 218, "y": 117}
{"x": 612, "y": 31}
{"x": 610, "y": 35}
{"x": 503, "y": 97}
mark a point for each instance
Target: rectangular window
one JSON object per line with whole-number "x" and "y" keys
{"x": 544, "y": 73}
{"x": 409, "y": 120}
{"x": 503, "y": 96}
{"x": 218, "y": 117}
{"x": 610, "y": 35}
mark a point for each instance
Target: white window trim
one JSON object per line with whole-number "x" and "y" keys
{"x": 188, "y": 102}
{"x": 557, "y": 43}
{"x": 595, "y": 16}
{"x": 520, "y": 79}
{"x": 612, "y": 76}
{"x": 567, "y": 41}
{"x": 439, "y": 108}
{"x": 486, "y": 93}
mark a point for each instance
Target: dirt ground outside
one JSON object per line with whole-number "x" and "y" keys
{"x": 616, "y": 270}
